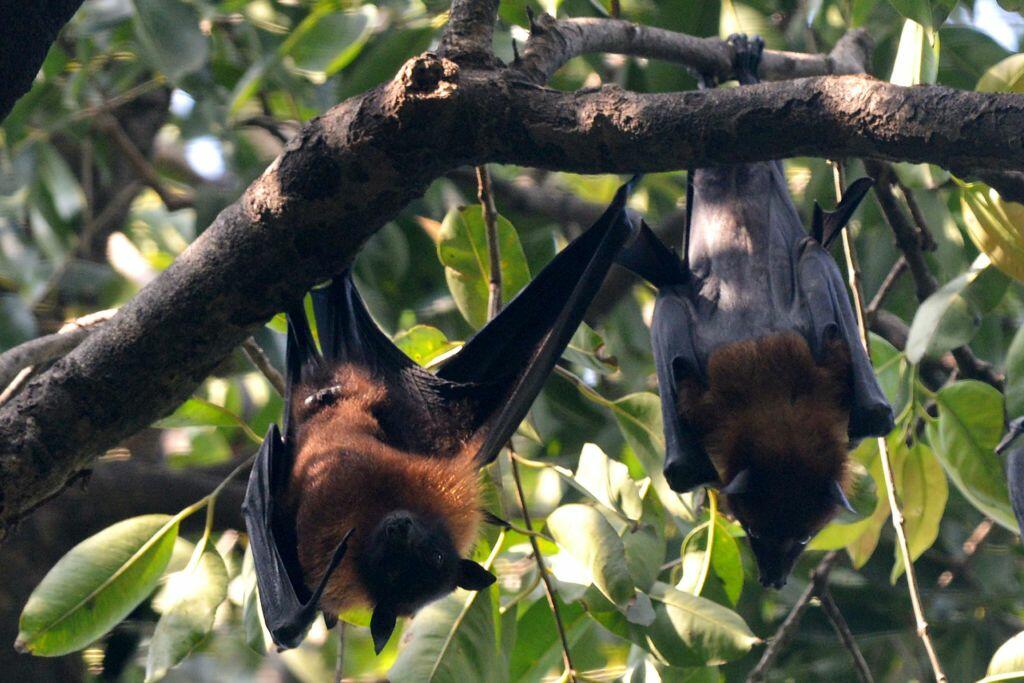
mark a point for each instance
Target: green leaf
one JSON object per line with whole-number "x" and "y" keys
{"x": 439, "y": 649}
{"x": 538, "y": 648}
{"x": 423, "y": 343}
{"x": 690, "y": 630}
{"x": 327, "y": 41}
{"x": 921, "y": 484}
{"x": 964, "y": 437}
{"x": 462, "y": 249}
{"x": 996, "y": 227}
{"x": 586, "y": 348}
{"x": 189, "y": 602}
{"x": 917, "y": 60}
{"x": 639, "y": 418}
{"x": 96, "y": 585}
{"x": 929, "y": 13}
{"x": 1007, "y": 661}
{"x": 608, "y": 481}
{"x": 169, "y": 31}
{"x": 645, "y": 543}
{"x": 198, "y": 412}
{"x": 1006, "y": 76}
{"x": 889, "y": 364}
{"x": 1015, "y": 376}
{"x": 587, "y": 537}
{"x": 952, "y": 315}
{"x": 257, "y": 638}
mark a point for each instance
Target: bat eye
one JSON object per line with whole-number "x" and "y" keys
{"x": 438, "y": 559}
{"x": 806, "y": 539}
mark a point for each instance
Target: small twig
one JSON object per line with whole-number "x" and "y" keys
{"x": 549, "y": 588}
{"x": 173, "y": 199}
{"x": 884, "y": 456}
{"x": 885, "y": 288}
{"x": 831, "y": 610}
{"x": 924, "y": 233}
{"x": 970, "y": 547}
{"x": 339, "y": 660}
{"x": 44, "y": 349}
{"x": 786, "y": 631}
{"x": 258, "y": 357}
{"x": 486, "y": 197}
{"x": 113, "y": 208}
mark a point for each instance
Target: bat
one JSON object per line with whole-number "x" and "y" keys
{"x": 377, "y": 459}
{"x": 762, "y": 375}
{"x": 1012, "y": 447}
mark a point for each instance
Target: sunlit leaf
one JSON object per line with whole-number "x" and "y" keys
{"x": 1006, "y": 76}
{"x": 922, "y": 487}
{"x": 423, "y": 343}
{"x": 996, "y": 227}
{"x": 96, "y": 585}
{"x": 586, "y": 535}
{"x": 917, "y": 60}
{"x": 327, "y": 41}
{"x": 189, "y": 601}
{"x": 1007, "y": 664}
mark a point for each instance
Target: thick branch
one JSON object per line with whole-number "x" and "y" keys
{"x": 553, "y": 43}
{"x": 470, "y": 32}
{"x": 357, "y": 166}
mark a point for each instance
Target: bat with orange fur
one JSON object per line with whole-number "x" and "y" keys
{"x": 763, "y": 378}
{"x": 369, "y": 494}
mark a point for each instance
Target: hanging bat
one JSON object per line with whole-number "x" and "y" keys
{"x": 377, "y": 460}
{"x": 762, "y": 375}
{"x": 1012, "y": 446}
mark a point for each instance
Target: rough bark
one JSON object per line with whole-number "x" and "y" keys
{"x": 356, "y": 167}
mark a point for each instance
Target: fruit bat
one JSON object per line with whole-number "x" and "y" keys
{"x": 377, "y": 459}
{"x": 761, "y": 372}
{"x": 1012, "y": 447}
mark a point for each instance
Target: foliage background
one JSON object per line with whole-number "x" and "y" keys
{"x": 208, "y": 91}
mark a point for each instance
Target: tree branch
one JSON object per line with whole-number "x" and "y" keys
{"x": 552, "y": 43}
{"x": 470, "y": 32}
{"x": 354, "y": 168}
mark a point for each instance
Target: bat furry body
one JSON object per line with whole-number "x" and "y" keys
{"x": 763, "y": 378}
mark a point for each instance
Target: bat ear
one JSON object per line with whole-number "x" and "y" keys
{"x": 840, "y": 497}
{"x": 473, "y": 577}
{"x": 382, "y": 625}
{"x": 739, "y": 484}
{"x": 828, "y": 224}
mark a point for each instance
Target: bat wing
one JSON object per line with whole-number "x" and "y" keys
{"x": 511, "y": 357}
{"x": 288, "y": 606}
{"x": 1012, "y": 448}
{"x": 831, "y": 317}
{"x": 827, "y": 225}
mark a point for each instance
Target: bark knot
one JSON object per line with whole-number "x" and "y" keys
{"x": 428, "y": 73}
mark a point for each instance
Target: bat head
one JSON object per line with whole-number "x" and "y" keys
{"x": 408, "y": 561}
{"x": 781, "y": 517}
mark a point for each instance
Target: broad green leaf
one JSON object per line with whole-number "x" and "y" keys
{"x": 257, "y": 638}
{"x": 586, "y": 535}
{"x": 690, "y": 630}
{"x": 1007, "y": 664}
{"x": 96, "y": 585}
{"x": 952, "y": 315}
{"x": 169, "y": 31}
{"x": 645, "y": 542}
{"x": 587, "y": 349}
{"x": 639, "y": 418}
{"x": 996, "y": 227}
{"x": 964, "y": 437}
{"x": 327, "y": 41}
{"x": 198, "y": 412}
{"x": 917, "y": 60}
{"x": 462, "y": 249}
{"x": 921, "y": 484}
{"x": 930, "y": 13}
{"x": 725, "y": 564}
{"x": 189, "y": 602}
{"x": 424, "y": 343}
{"x": 608, "y": 481}
{"x": 1006, "y": 76}
{"x": 538, "y": 649}
{"x": 889, "y": 364}
{"x": 441, "y": 648}
{"x": 1015, "y": 376}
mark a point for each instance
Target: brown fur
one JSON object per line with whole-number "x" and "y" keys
{"x": 769, "y": 407}
{"x": 346, "y": 477}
